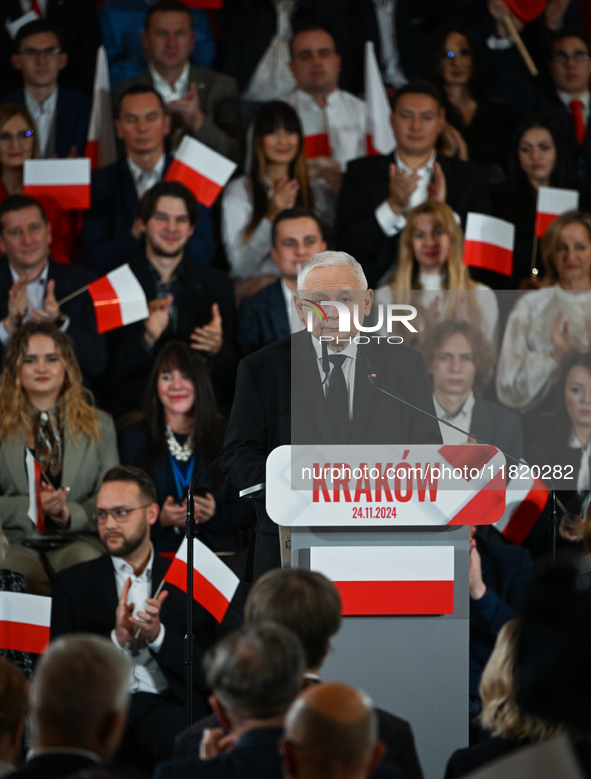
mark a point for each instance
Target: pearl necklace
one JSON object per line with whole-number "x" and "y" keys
{"x": 181, "y": 453}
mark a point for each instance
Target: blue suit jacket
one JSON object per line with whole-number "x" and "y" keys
{"x": 73, "y": 116}
{"x": 262, "y": 319}
{"x": 107, "y": 241}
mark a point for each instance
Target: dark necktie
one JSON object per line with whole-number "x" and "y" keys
{"x": 576, "y": 107}
{"x": 337, "y": 400}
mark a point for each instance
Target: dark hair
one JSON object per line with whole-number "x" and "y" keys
{"x": 433, "y": 55}
{"x": 149, "y": 200}
{"x": 256, "y": 670}
{"x": 132, "y": 475}
{"x": 19, "y": 203}
{"x": 562, "y": 425}
{"x": 560, "y": 176}
{"x": 418, "y": 87}
{"x": 207, "y": 422}
{"x": 305, "y": 602}
{"x": 296, "y": 213}
{"x": 309, "y": 28}
{"x": 139, "y": 89}
{"x": 36, "y": 28}
{"x": 567, "y": 32}
{"x": 167, "y": 6}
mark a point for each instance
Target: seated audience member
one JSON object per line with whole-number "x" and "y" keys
{"x": 121, "y": 24}
{"x": 546, "y": 324}
{"x": 187, "y": 301}
{"x": 78, "y": 706}
{"x": 11, "y": 581}
{"x": 181, "y": 433}
{"x": 61, "y": 115}
{"x": 270, "y": 314}
{"x": 378, "y": 192}
{"x": 202, "y": 102}
{"x": 539, "y": 159}
{"x": 254, "y": 674}
{"x": 45, "y": 413}
{"x": 13, "y": 714}
{"x": 31, "y": 285}
{"x": 150, "y": 631}
{"x": 460, "y": 363}
{"x": 330, "y": 733}
{"x": 110, "y": 234}
{"x": 430, "y": 262}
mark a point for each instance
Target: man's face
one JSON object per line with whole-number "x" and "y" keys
{"x": 417, "y": 122}
{"x": 169, "y": 40}
{"x": 569, "y": 69}
{"x": 315, "y": 63}
{"x": 338, "y": 284}
{"x": 296, "y": 240}
{"x": 38, "y": 61}
{"x": 169, "y": 227}
{"x": 453, "y": 369}
{"x": 142, "y": 124}
{"x": 25, "y": 238}
{"x": 123, "y": 537}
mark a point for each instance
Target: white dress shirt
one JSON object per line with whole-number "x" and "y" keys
{"x": 585, "y": 100}
{"x": 44, "y": 115}
{"x": 295, "y": 323}
{"x": 146, "y": 675}
{"x": 350, "y": 351}
{"x": 462, "y": 419}
{"x": 392, "y": 223}
{"x": 146, "y": 179}
{"x": 167, "y": 92}
{"x": 389, "y": 54}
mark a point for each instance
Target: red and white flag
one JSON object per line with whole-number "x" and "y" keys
{"x": 525, "y": 500}
{"x": 389, "y": 579}
{"x": 380, "y": 136}
{"x": 488, "y": 243}
{"x": 118, "y": 298}
{"x": 65, "y": 182}
{"x": 101, "y": 146}
{"x": 552, "y": 202}
{"x": 200, "y": 169}
{"x": 24, "y": 622}
{"x": 35, "y": 512}
{"x": 214, "y": 584}
{"x": 316, "y": 140}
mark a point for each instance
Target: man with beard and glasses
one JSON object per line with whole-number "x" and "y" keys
{"x": 113, "y": 596}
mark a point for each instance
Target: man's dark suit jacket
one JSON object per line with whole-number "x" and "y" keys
{"x": 262, "y": 319}
{"x": 72, "y": 118}
{"x": 365, "y": 187}
{"x": 107, "y": 241}
{"x": 131, "y": 358}
{"x": 55, "y": 766}
{"x": 89, "y": 346}
{"x": 498, "y": 426}
{"x": 579, "y": 154}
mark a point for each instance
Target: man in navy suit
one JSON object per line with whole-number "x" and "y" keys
{"x": 270, "y": 314}
{"x": 61, "y": 115}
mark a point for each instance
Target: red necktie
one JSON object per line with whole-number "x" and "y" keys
{"x": 576, "y": 108}
{"x": 35, "y": 7}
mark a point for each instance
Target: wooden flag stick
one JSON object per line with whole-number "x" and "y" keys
{"x": 534, "y": 258}
{"x": 516, "y": 38}
{"x": 73, "y": 295}
{"x": 138, "y": 631}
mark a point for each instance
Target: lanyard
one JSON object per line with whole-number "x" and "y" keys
{"x": 182, "y": 482}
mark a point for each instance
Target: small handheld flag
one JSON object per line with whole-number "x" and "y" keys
{"x": 488, "y": 243}
{"x": 200, "y": 169}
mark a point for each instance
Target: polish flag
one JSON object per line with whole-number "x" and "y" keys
{"x": 35, "y": 512}
{"x": 380, "y": 136}
{"x": 316, "y": 140}
{"x": 552, "y": 202}
{"x": 488, "y": 243}
{"x": 200, "y": 169}
{"x": 64, "y": 182}
{"x": 118, "y": 299}
{"x": 389, "y": 579}
{"x": 524, "y": 503}
{"x": 214, "y": 584}
{"x": 101, "y": 146}
{"x": 24, "y": 622}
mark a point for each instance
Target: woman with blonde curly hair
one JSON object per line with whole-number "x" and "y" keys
{"x": 45, "y": 412}
{"x": 431, "y": 275}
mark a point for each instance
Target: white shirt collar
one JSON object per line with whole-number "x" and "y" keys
{"x": 568, "y": 99}
{"x": 424, "y": 169}
{"x": 63, "y": 751}
{"x": 49, "y": 104}
{"x": 349, "y": 351}
{"x": 123, "y": 568}
{"x": 464, "y": 412}
{"x": 138, "y": 172}
{"x": 310, "y": 101}
{"x": 167, "y": 91}
{"x": 41, "y": 280}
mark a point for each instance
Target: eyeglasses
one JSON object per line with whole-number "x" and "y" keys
{"x": 460, "y": 53}
{"x": 119, "y": 514}
{"x": 22, "y": 135}
{"x": 52, "y": 51}
{"x": 575, "y": 56}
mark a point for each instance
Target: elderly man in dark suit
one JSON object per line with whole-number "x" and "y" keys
{"x": 203, "y": 103}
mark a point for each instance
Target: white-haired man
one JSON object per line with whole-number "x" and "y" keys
{"x": 327, "y": 391}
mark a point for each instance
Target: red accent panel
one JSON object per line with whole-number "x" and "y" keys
{"x": 420, "y": 597}
{"x": 543, "y": 221}
{"x": 203, "y": 590}
{"x": 526, "y": 514}
{"x": 486, "y": 507}
{"x": 471, "y": 455}
{"x": 106, "y": 305}
{"x": 66, "y": 196}
{"x": 526, "y": 10}
{"x": 24, "y": 637}
{"x": 205, "y": 190}
{"x": 92, "y": 151}
{"x": 317, "y": 146}
{"x": 486, "y": 255}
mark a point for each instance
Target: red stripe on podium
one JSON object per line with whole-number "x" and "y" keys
{"x": 401, "y": 597}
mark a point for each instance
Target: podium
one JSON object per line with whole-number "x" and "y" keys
{"x": 405, "y": 642}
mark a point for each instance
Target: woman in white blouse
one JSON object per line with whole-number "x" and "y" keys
{"x": 430, "y": 262}
{"x": 549, "y": 323}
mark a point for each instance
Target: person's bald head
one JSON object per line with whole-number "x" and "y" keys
{"x": 331, "y": 730}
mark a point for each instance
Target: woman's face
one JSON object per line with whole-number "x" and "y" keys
{"x": 456, "y": 61}
{"x": 176, "y": 392}
{"x": 537, "y": 155}
{"x": 43, "y": 372}
{"x": 16, "y": 145}
{"x": 430, "y": 244}
{"x": 577, "y": 396}
{"x": 280, "y": 146}
{"x": 572, "y": 257}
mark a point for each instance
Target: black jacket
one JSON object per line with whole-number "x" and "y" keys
{"x": 262, "y": 319}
